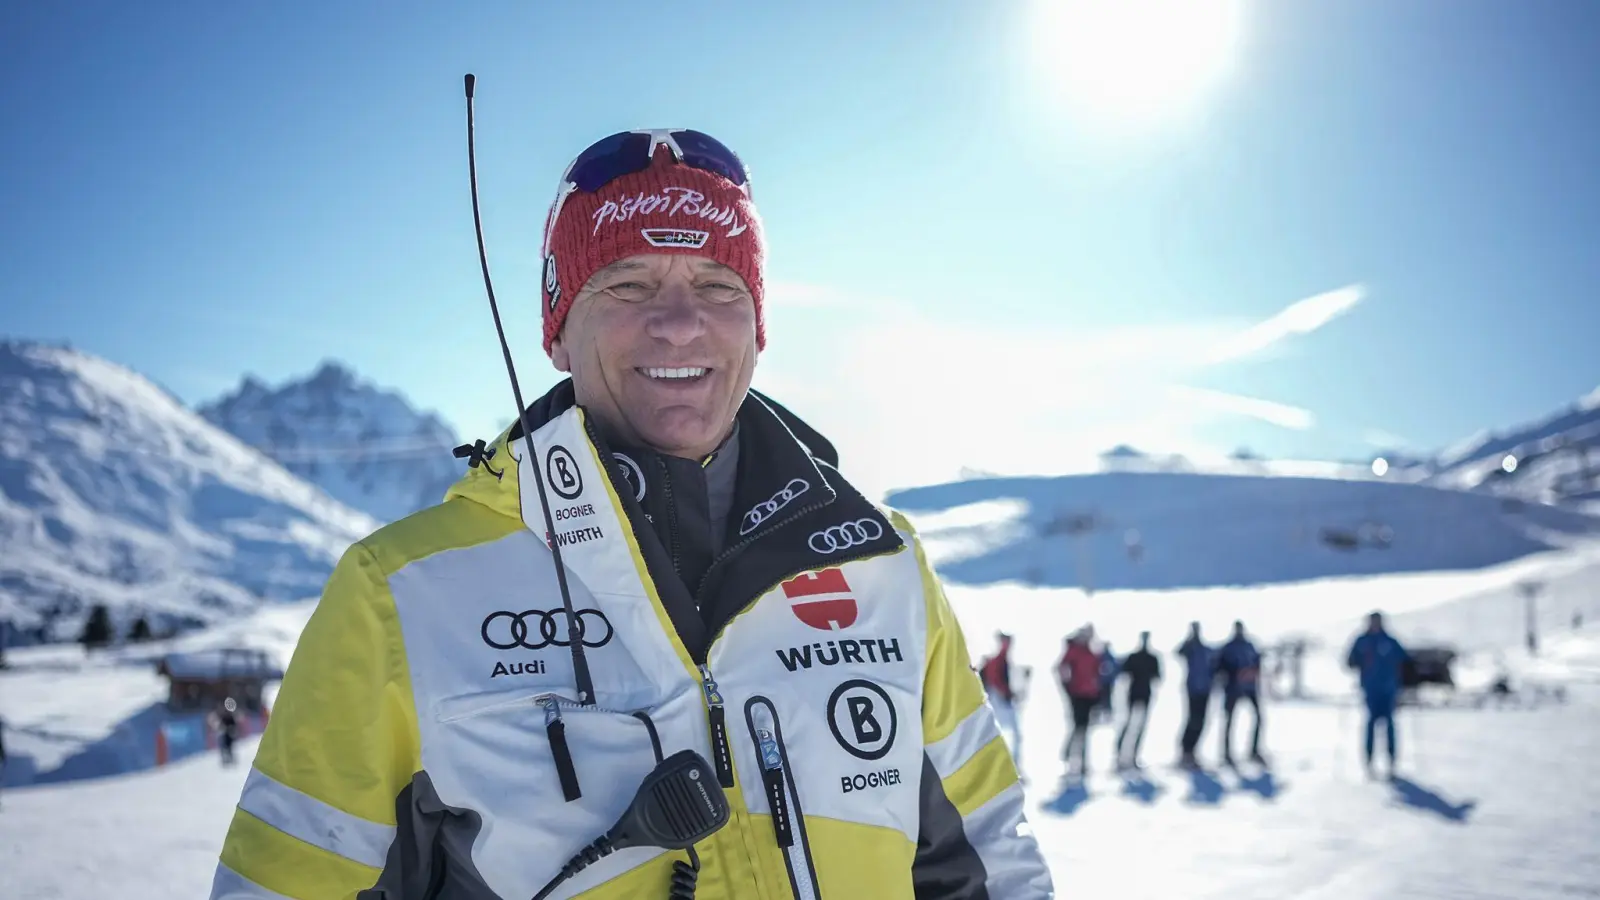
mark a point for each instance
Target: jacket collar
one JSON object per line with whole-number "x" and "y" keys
{"x": 792, "y": 513}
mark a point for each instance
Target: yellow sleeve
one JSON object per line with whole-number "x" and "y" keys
{"x": 974, "y": 838}
{"x": 317, "y": 814}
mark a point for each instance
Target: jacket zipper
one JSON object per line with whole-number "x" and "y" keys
{"x": 556, "y": 729}
{"x": 672, "y": 517}
{"x": 721, "y": 754}
{"x": 788, "y": 821}
{"x": 746, "y": 541}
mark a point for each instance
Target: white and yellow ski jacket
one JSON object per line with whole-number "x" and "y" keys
{"x": 427, "y": 742}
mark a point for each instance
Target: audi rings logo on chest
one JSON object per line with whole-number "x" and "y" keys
{"x": 846, "y": 535}
{"x": 536, "y": 629}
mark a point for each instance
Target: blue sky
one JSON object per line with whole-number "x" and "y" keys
{"x": 971, "y": 264}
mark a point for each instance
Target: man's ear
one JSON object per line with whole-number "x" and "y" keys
{"x": 559, "y": 357}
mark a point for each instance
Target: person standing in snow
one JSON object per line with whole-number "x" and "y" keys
{"x": 226, "y": 723}
{"x": 1240, "y": 666}
{"x": 1079, "y": 673}
{"x": 654, "y": 558}
{"x": 1380, "y": 660}
{"x": 1108, "y": 680}
{"x": 1004, "y": 694}
{"x": 1143, "y": 669}
{"x": 1198, "y": 683}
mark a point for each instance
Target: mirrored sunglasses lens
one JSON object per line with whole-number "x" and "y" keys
{"x": 610, "y": 158}
{"x": 703, "y": 151}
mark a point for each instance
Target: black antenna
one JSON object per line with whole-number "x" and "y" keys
{"x": 580, "y": 663}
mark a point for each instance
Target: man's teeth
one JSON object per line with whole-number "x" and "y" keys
{"x": 689, "y": 372}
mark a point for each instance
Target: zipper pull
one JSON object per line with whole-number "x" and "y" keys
{"x": 772, "y": 780}
{"x": 557, "y": 730}
{"x": 721, "y": 755}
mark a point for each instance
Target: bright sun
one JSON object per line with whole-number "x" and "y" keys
{"x": 1134, "y": 62}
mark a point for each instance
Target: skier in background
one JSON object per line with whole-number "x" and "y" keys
{"x": 1079, "y": 673}
{"x": 1108, "y": 680}
{"x": 1380, "y": 659}
{"x": 1143, "y": 669}
{"x": 1004, "y": 694}
{"x": 1239, "y": 662}
{"x": 227, "y": 725}
{"x": 1200, "y": 679}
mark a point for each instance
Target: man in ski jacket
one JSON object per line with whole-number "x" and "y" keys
{"x": 1380, "y": 660}
{"x": 1143, "y": 669}
{"x": 1240, "y": 666}
{"x": 1079, "y": 673}
{"x": 655, "y": 559}
{"x": 1198, "y": 684}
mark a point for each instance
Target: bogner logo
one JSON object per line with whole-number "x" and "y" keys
{"x": 561, "y": 472}
{"x": 675, "y": 237}
{"x": 822, "y": 599}
{"x": 866, "y": 781}
{"x": 847, "y": 650}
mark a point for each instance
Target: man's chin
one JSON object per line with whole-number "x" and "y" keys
{"x": 682, "y": 432}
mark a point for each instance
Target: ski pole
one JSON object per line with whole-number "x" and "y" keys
{"x": 1339, "y": 739}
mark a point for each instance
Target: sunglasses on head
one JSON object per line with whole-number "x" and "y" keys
{"x": 627, "y": 152}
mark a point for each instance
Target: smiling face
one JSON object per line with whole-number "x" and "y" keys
{"x": 661, "y": 349}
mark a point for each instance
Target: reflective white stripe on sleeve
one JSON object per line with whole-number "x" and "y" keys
{"x": 318, "y": 824}
{"x": 973, "y": 734}
{"x": 1004, "y": 840}
{"x": 230, "y": 885}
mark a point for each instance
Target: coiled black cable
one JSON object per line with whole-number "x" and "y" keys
{"x": 684, "y": 876}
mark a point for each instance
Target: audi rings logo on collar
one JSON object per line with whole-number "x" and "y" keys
{"x": 846, "y": 535}
{"x": 767, "y": 508}
{"x": 550, "y": 625}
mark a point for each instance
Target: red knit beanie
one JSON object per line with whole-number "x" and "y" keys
{"x": 666, "y": 208}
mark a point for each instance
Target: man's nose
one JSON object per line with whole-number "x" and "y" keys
{"x": 676, "y": 316}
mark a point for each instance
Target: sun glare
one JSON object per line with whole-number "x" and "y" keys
{"x": 1134, "y": 63}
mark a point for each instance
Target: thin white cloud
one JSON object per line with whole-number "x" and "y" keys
{"x": 1385, "y": 440}
{"x": 1300, "y": 317}
{"x": 1270, "y": 411}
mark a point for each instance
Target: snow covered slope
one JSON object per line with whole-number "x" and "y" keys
{"x": 112, "y": 492}
{"x": 1493, "y": 803}
{"x": 364, "y": 446}
{"x": 1166, "y": 530}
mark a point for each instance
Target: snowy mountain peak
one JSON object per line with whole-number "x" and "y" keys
{"x": 111, "y": 491}
{"x": 365, "y": 446}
